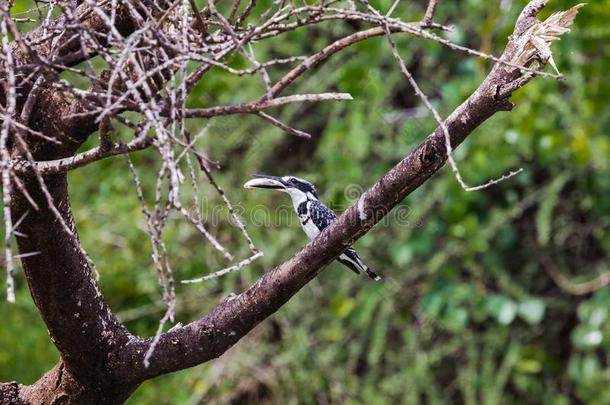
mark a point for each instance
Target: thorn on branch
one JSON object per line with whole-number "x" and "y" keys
{"x": 429, "y": 154}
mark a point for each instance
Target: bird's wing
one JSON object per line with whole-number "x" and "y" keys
{"x": 321, "y": 215}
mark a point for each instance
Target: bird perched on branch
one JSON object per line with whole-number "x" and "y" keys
{"x": 313, "y": 215}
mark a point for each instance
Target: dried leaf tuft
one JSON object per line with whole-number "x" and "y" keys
{"x": 537, "y": 39}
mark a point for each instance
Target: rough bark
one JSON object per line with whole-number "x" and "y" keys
{"x": 80, "y": 323}
{"x": 9, "y": 394}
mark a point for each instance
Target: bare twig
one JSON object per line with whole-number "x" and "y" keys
{"x": 5, "y": 163}
{"x": 260, "y": 105}
{"x": 282, "y": 126}
{"x": 441, "y": 124}
{"x": 228, "y": 270}
{"x": 569, "y": 286}
{"x": 430, "y": 10}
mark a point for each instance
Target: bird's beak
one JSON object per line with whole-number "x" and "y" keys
{"x": 264, "y": 181}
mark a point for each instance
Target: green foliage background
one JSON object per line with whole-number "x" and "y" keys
{"x": 467, "y": 311}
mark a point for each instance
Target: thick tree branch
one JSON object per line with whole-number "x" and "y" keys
{"x": 9, "y": 394}
{"x": 40, "y": 51}
{"x": 79, "y": 320}
{"x": 89, "y": 337}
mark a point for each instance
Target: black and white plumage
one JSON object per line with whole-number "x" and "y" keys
{"x": 313, "y": 215}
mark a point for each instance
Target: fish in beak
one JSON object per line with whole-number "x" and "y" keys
{"x": 265, "y": 181}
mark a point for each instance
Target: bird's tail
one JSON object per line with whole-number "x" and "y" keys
{"x": 372, "y": 274}
{"x": 351, "y": 259}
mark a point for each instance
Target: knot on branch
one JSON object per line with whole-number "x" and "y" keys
{"x": 429, "y": 154}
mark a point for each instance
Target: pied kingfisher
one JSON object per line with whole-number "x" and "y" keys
{"x": 313, "y": 215}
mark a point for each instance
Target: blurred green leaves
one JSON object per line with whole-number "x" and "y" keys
{"x": 532, "y": 311}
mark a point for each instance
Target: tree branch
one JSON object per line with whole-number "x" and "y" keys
{"x": 263, "y": 104}
{"x": 583, "y": 288}
{"x": 430, "y": 10}
{"x": 88, "y": 337}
